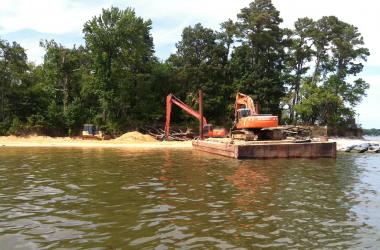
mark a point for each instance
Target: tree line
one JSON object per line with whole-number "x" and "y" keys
{"x": 307, "y": 74}
{"x": 372, "y": 131}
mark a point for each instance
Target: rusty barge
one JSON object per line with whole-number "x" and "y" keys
{"x": 267, "y": 149}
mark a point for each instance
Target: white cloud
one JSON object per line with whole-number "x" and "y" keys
{"x": 209, "y": 11}
{"x": 184, "y": 13}
{"x": 33, "y": 50}
{"x": 46, "y": 16}
{"x": 167, "y": 36}
{"x": 68, "y": 16}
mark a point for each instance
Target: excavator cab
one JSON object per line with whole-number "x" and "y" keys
{"x": 210, "y": 131}
{"x": 244, "y": 112}
{"x": 207, "y": 130}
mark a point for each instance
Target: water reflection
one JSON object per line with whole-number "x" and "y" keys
{"x": 114, "y": 198}
{"x": 248, "y": 180}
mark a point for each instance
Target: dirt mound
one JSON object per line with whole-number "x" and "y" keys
{"x": 135, "y": 137}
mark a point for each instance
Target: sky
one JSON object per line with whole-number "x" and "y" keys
{"x": 27, "y": 22}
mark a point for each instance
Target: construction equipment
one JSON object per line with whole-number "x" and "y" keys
{"x": 208, "y": 129}
{"x": 250, "y": 125}
{"x": 90, "y": 131}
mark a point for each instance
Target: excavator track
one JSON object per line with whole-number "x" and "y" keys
{"x": 244, "y": 135}
{"x": 272, "y": 133}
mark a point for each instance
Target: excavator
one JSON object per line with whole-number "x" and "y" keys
{"x": 208, "y": 129}
{"x": 250, "y": 125}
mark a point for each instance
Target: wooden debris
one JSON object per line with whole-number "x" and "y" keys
{"x": 175, "y": 134}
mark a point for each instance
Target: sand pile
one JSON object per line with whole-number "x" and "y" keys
{"x": 135, "y": 137}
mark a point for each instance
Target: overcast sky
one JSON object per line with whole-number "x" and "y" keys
{"x": 27, "y": 22}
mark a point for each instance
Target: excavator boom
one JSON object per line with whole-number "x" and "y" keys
{"x": 246, "y": 101}
{"x": 172, "y": 99}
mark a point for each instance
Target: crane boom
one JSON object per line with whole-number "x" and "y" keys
{"x": 172, "y": 99}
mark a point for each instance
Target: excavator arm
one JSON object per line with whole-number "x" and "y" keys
{"x": 247, "y": 102}
{"x": 172, "y": 99}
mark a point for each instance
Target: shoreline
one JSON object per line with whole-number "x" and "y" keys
{"x": 67, "y": 142}
{"x": 343, "y": 142}
{"x": 181, "y": 145}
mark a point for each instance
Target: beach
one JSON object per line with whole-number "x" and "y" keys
{"x": 128, "y": 140}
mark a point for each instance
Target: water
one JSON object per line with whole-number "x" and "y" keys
{"x": 159, "y": 199}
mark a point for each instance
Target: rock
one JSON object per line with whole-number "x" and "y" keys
{"x": 374, "y": 149}
{"x": 347, "y": 149}
{"x": 360, "y": 148}
{"x": 365, "y": 145}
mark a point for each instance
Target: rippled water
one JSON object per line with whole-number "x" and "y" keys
{"x": 114, "y": 198}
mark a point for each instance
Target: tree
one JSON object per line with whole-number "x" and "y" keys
{"x": 227, "y": 34}
{"x": 338, "y": 53}
{"x": 299, "y": 55}
{"x": 321, "y": 106}
{"x": 348, "y": 54}
{"x": 116, "y": 82}
{"x": 200, "y": 63}
{"x": 258, "y": 61}
{"x": 61, "y": 67}
{"x": 63, "y": 77}
{"x": 13, "y": 70}
{"x": 121, "y": 48}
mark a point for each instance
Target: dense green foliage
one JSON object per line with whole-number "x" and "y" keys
{"x": 372, "y": 131}
{"x": 307, "y": 74}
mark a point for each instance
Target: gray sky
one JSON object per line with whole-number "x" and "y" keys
{"x": 27, "y": 22}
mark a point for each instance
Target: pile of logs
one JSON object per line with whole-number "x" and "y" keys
{"x": 297, "y": 132}
{"x": 175, "y": 134}
{"x": 292, "y": 132}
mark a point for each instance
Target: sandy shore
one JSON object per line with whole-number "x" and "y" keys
{"x": 44, "y": 141}
{"x": 129, "y": 140}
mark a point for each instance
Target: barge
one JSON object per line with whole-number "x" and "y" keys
{"x": 267, "y": 149}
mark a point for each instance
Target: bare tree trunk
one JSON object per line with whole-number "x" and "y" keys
{"x": 318, "y": 62}
{"x": 65, "y": 86}
{"x": 2, "y": 103}
{"x": 65, "y": 92}
{"x": 296, "y": 92}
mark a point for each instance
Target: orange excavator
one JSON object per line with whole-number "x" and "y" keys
{"x": 208, "y": 129}
{"x": 250, "y": 125}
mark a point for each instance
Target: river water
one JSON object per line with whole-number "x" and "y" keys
{"x": 158, "y": 199}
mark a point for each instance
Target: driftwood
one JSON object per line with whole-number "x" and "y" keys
{"x": 175, "y": 134}
{"x": 296, "y": 131}
{"x": 293, "y": 132}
